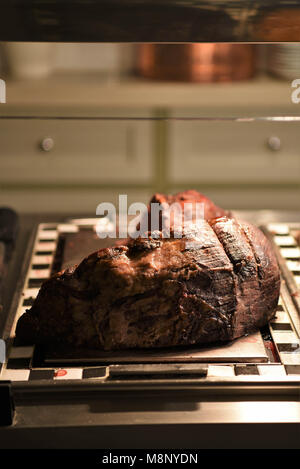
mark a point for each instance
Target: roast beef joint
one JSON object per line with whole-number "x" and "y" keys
{"x": 216, "y": 283}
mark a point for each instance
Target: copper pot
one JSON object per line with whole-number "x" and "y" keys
{"x": 196, "y": 62}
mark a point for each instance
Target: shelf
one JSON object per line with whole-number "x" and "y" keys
{"x": 92, "y": 93}
{"x": 149, "y": 21}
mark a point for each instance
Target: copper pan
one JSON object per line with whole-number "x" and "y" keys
{"x": 196, "y": 62}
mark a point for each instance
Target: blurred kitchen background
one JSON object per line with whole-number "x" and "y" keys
{"x": 70, "y": 166}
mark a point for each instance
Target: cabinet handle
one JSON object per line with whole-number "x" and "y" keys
{"x": 46, "y": 144}
{"x": 274, "y": 143}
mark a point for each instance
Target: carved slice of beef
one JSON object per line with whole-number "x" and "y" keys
{"x": 216, "y": 283}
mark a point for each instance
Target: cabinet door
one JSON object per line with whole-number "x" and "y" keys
{"x": 76, "y": 151}
{"x": 238, "y": 152}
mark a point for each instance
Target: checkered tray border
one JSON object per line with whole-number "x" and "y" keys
{"x": 18, "y": 364}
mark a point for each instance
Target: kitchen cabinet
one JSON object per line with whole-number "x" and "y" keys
{"x": 70, "y": 151}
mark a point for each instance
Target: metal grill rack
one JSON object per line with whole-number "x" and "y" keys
{"x": 280, "y": 359}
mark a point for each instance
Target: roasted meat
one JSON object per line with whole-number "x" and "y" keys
{"x": 216, "y": 283}
{"x": 188, "y": 202}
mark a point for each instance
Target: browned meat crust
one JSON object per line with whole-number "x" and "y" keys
{"x": 187, "y": 201}
{"x": 216, "y": 283}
